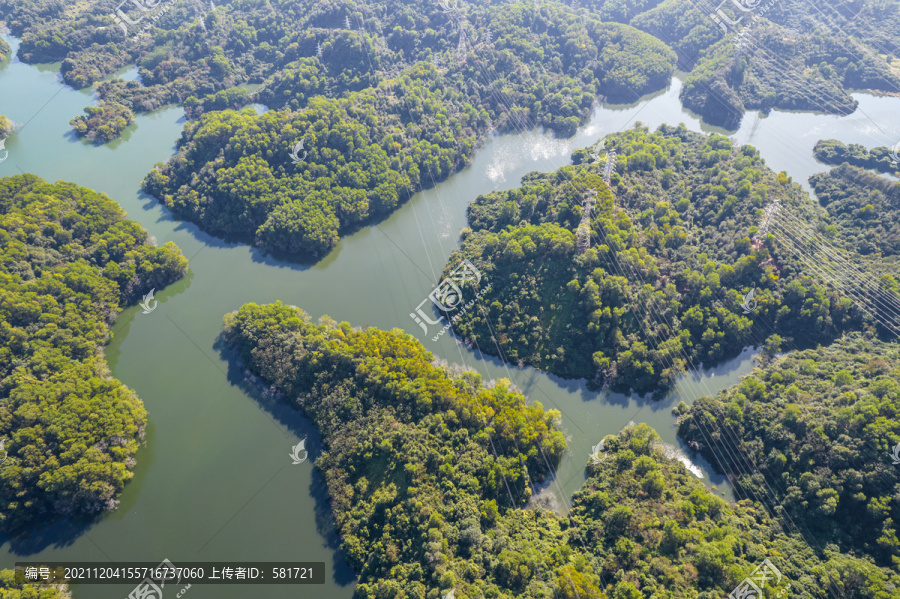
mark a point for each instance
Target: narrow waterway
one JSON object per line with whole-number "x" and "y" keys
{"x": 215, "y": 481}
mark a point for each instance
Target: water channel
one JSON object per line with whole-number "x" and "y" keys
{"x": 215, "y": 481}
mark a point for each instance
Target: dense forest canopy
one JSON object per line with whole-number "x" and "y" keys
{"x": 427, "y": 468}
{"x": 237, "y": 172}
{"x": 69, "y": 262}
{"x": 10, "y": 589}
{"x": 651, "y": 282}
{"x": 864, "y": 210}
{"x": 814, "y": 432}
{"x": 771, "y": 67}
{"x": 783, "y": 54}
{"x": 195, "y": 58}
{"x": 103, "y": 123}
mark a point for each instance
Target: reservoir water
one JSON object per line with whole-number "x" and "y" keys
{"x": 215, "y": 481}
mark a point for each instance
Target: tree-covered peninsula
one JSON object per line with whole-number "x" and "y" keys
{"x": 428, "y": 468}
{"x": 814, "y": 433}
{"x": 6, "y": 127}
{"x": 864, "y": 210}
{"x": 651, "y": 281}
{"x": 881, "y": 159}
{"x": 69, "y": 261}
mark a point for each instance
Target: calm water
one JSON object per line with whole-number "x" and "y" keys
{"x": 215, "y": 481}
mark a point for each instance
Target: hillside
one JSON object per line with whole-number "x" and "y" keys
{"x": 814, "y": 431}
{"x": 415, "y": 89}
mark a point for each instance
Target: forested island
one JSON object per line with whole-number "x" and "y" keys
{"x": 103, "y": 123}
{"x": 814, "y": 431}
{"x": 69, "y": 261}
{"x": 428, "y": 468}
{"x": 651, "y": 282}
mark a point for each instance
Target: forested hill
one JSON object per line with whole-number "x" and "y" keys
{"x": 362, "y": 155}
{"x": 816, "y": 430}
{"x": 427, "y": 469}
{"x": 69, "y": 262}
{"x": 666, "y": 262}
